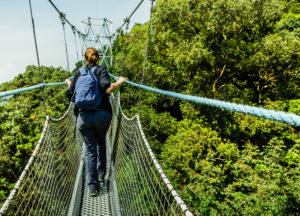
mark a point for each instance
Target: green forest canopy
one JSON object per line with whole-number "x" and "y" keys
{"x": 22, "y": 119}
{"x": 221, "y": 163}
{"x": 242, "y": 51}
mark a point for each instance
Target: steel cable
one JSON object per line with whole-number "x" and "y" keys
{"x": 146, "y": 54}
{"x": 37, "y": 56}
{"x": 65, "y": 39}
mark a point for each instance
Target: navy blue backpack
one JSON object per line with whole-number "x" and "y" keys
{"x": 87, "y": 94}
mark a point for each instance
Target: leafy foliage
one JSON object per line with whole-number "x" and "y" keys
{"x": 22, "y": 119}
{"x": 221, "y": 163}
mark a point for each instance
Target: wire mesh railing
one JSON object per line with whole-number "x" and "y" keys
{"x": 51, "y": 185}
{"x": 46, "y": 185}
{"x": 142, "y": 187}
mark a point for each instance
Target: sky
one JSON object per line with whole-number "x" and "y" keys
{"x": 16, "y": 37}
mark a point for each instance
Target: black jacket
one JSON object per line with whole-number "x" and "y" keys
{"x": 104, "y": 83}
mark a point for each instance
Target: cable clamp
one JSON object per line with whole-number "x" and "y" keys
{"x": 62, "y": 16}
{"x": 73, "y": 29}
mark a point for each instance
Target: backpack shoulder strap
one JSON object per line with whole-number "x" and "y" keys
{"x": 82, "y": 71}
{"x": 91, "y": 71}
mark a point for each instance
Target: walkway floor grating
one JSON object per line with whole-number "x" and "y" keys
{"x": 95, "y": 206}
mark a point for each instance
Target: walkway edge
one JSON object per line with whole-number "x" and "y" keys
{"x": 77, "y": 192}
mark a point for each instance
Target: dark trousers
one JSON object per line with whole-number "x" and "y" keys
{"x": 93, "y": 126}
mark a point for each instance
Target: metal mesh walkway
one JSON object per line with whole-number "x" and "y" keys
{"x": 99, "y": 205}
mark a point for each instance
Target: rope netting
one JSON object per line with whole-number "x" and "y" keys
{"x": 142, "y": 186}
{"x": 52, "y": 181}
{"x": 46, "y": 185}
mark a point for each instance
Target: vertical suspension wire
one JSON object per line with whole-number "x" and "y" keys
{"x": 110, "y": 41}
{"x": 62, "y": 16}
{"x": 83, "y": 44}
{"x": 38, "y": 57}
{"x": 74, "y": 32}
{"x": 83, "y": 37}
{"x": 127, "y": 27}
{"x": 80, "y": 49}
{"x": 126, "y": 31}
{"x": 146, "y": 53}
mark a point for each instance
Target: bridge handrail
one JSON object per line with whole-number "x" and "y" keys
{"x": 288, "y": 118}
{"x": 5, "y": 207}
{"x": 11, "y": 197}
{"x": 21, "y": 90}
{"x": 178, "y": 199}
{"x": 172, "y": 191}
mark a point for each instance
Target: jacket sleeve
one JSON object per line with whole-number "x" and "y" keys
{"x": 70, "y": 91}
{"x": 104, "y": 80}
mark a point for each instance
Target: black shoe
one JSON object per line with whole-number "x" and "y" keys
{"x": 94, "y": 193}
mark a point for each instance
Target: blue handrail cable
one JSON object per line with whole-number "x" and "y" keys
{"x": 18, "y": 91}
{"x": 289, "y": 118}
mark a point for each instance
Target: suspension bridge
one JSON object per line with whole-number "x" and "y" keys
{"x": 54, "y": 179}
